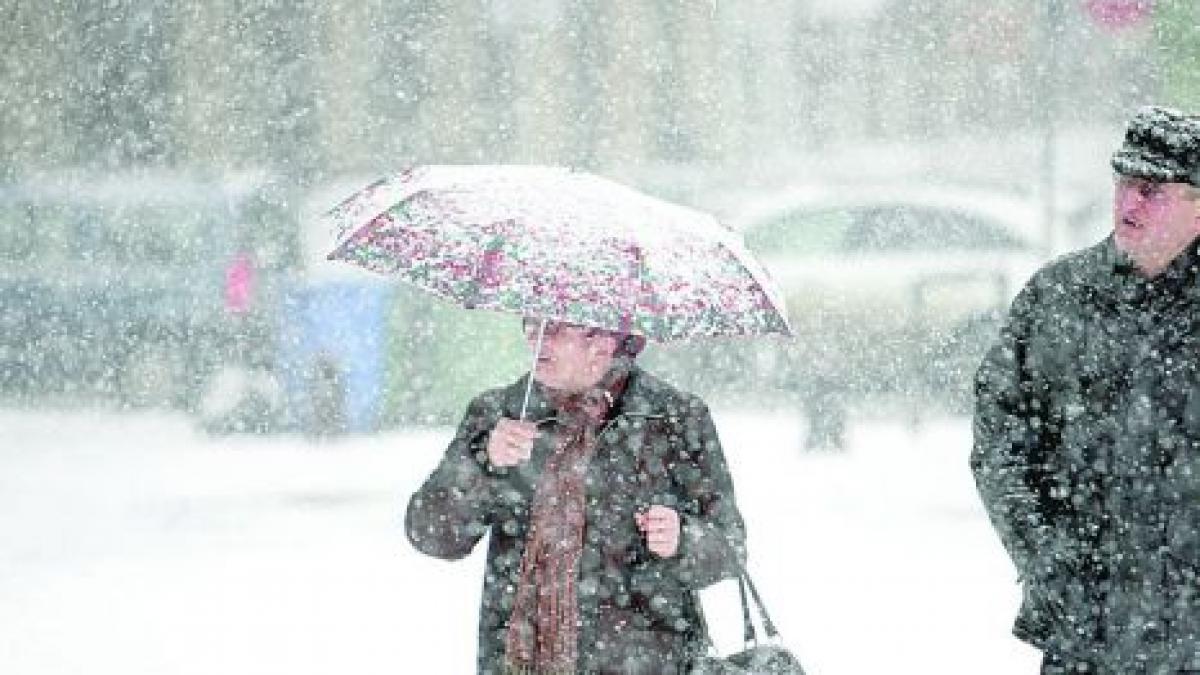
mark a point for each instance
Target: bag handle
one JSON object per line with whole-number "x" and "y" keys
{"x": 748, "y": 633}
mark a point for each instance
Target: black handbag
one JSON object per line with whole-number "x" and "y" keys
{"x": 755, "y": 659}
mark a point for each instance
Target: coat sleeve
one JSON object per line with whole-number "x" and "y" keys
{"x": 713, "y": 538}
{"x": 1013, "y": 439}
{"x": 451, "y": 511}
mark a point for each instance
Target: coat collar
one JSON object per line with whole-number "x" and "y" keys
{"x": 1181, "y": 279}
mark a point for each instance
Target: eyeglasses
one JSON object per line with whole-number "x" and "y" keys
{"x": 1146, "y": 189}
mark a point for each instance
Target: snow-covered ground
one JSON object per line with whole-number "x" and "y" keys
{"x": 130, "y": 544}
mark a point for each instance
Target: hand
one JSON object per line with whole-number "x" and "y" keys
{"x": 511, "y": 442}
{"x": 660, "y": 524}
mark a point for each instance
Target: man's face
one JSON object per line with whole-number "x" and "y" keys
{"x": 572, "y": 357}
{"x": 1154, "y": 222}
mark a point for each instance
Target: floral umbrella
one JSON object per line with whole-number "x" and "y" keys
{"x": 560, "y": 245}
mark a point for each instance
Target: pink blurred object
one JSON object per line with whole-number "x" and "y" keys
{"x": 1118, "y": 13}
{"x": 239, "y": 284}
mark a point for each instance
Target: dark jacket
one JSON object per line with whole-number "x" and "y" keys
{"x": 1087, "y": 456}
{"x": 639, "y": 612}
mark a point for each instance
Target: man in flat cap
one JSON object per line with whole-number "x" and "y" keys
{"x": 1087, "y": 425}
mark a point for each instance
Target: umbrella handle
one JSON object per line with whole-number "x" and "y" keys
{"x": 537, "y": 350}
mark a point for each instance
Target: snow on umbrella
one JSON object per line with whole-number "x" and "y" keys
{"x": 559, "y": 244}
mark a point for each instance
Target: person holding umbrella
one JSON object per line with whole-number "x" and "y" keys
{"x": 603, "y": 490}
{"x": 608, "y": 507}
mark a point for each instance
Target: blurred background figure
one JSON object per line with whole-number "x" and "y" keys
{"x": 825, "y": 411}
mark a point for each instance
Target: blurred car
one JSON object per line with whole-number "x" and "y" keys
{"x": 136, "y": 284}
{"x": 889, "y": 289}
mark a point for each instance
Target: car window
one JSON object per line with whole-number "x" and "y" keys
{"x": 33, "y": 234}
{"x": 906, "y": 228}
{"x": 17, "y": 240}
{"x": 801, "y": 232}
{"x": 142, "y": 234}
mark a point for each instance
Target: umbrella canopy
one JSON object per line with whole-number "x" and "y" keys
{"x": 559, "y": 244}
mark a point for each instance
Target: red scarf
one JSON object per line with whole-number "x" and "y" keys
{"x": 543, "y": 631}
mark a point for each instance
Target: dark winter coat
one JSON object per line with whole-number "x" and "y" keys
{"x": 1087, "y": 456}
{"x": 640, "y": 613}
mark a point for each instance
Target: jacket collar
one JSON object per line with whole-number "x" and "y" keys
{"x": 1180, "y": 279}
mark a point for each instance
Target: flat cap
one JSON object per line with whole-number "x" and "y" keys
{"x": 1162, "y": 145}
